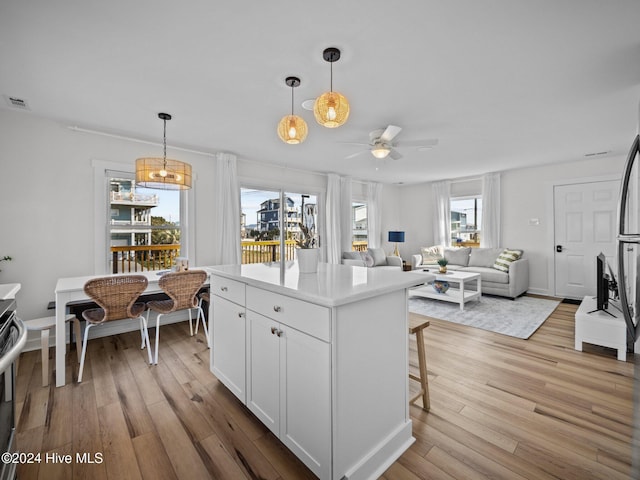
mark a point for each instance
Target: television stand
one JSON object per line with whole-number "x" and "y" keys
{"x": 602, "y": 310}
{"x": 594, "y": 327}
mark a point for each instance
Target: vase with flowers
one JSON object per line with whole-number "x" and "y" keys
{"x": 307, "y": 252}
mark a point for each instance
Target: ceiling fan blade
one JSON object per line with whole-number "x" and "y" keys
{"x": 353, "y": 155}
{"x": 428, "y": 143}
{"x": 389, "y": 134}
{"x": 394, "y": 154}
{"x": 354, "y": 143}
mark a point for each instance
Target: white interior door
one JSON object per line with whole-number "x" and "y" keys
{"x": 585, "y": 225}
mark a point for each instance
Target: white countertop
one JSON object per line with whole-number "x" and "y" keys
{"x": 330, "y": 286}
{"x": 9, "y": 290}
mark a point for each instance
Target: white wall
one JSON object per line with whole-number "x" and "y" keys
{"x": 526, "y": 194}
{"x": 47, "y": 210}
{"x": 47, "y": 200}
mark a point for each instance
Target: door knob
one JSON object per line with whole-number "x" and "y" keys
{"x": 559, "y": 248}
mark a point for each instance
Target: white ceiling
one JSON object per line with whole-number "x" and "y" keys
{"x": 501, "y": 83}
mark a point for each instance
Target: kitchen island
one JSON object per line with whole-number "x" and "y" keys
{"x": 321, "y": 359}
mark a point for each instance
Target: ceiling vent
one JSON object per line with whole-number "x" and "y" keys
{"x": 16, "y": 102}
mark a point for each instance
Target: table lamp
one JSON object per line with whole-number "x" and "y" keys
{"x": 397, "y": 237}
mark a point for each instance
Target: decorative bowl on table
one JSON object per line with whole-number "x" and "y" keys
{"x": 440, "y": 286}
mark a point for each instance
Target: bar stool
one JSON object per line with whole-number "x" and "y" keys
{"x": 44, "y": 325}
{"x": 416, "y": 326}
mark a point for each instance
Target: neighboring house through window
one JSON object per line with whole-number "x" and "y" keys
{"x": 360, "y": 236}
{"x": 466, "y": 221}
{"x": 144, "y": 230}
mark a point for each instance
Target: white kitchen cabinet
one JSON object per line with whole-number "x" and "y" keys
{"x": 289, "y": 388}
{"x": 326, "y": 360}
{"x": 228, "y": 332}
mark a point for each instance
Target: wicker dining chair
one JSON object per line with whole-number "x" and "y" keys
{"x": 182, "y": 289}
{"x": 116, "y": 298}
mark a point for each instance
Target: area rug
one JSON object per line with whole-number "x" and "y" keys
{"x": 517, "y": 318}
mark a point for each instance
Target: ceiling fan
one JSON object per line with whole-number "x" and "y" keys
{"x": 381, "y": 143}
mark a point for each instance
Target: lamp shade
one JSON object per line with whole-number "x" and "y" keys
{"x": 163, "y": 174}
{"x": 397, "y": 237}
{"x": 331, "y": 109}
{"x": 292, "y": 129}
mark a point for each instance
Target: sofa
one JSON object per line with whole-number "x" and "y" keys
{"x": 503, "y": 272}
{"x": 372, "y": 258}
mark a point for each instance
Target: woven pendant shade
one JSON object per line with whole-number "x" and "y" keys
{"x": 331, "y": 109}
{"x": 292, "y": 129}
{"x": 163, "y": 173}
{"x": 153, "y": 172}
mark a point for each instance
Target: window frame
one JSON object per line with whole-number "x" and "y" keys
{"x": 477, "y": 213}
{"x": 102, "y": 215}
{"x": 282, "y": 190}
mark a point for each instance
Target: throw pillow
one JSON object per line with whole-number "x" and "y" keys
{"x": 379, "y": 257}
{"x": 484, "y": 257}
{"x": 351, "y": 255}
{"x": 367, "y": 259}
{"x": 431, "y": 255}
{"x": 506, "y": 258}
{"x": 458, "y": 256}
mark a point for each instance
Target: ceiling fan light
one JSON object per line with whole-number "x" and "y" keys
{"x": 380, "y": 151}
{"x": 331, "y": 109}
{"x": 292, "y": 129}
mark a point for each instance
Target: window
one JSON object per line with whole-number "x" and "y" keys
{"x": 466, "y": 221}
{"x": 144, "y": 228}
{"x": 360, "y": 236}
{"x": 267, "y": 213}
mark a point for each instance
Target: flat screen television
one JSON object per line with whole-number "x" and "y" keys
{"x": 602, "y": 284}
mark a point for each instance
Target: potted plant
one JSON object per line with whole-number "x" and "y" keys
{"x": 306, "y": 252}
{"x": 6, "y": 258}
{"x": 443, "y": 264}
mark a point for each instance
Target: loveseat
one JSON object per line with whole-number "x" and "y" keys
{"x": 503, "y": 272}
{"x": 372, "y": 257}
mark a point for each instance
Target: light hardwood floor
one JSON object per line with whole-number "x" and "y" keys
{"x": 501, "y": 408}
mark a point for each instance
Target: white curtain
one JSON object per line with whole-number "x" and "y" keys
{"x": 491, "y": 228}
{"x": 226, "y": 212}
{"x": 374, "y": 214}
{"x": 338, "y": 220}
{"x": 346, "y": 230}
{"x": 442, "y": 213}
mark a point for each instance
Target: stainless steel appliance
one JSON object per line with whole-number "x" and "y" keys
{"x": 629, "y": 244}
{"x": 13, "y": 336}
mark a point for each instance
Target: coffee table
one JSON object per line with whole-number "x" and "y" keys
{"x": 460, "y": 295}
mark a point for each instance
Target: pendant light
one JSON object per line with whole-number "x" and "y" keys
{"x": 163, "y": 173}
{"x": 331, "y": 109}
{"x": 292, "y": 129}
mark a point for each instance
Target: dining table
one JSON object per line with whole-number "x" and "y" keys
{"x": 71, "y": 289}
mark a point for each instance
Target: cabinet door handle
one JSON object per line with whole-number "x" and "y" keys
{"x": 224, "y": 289}
{"x": 279, "y": 332}
{"x": 276, "y": 308}
{"x": 240, "y": 314}
{"x": 273, "y": 330}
